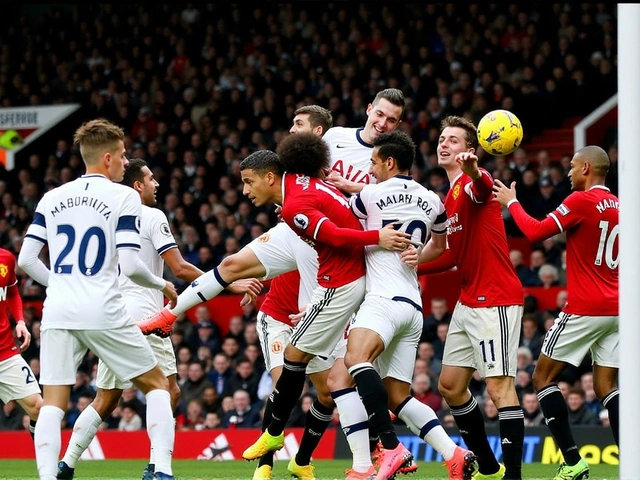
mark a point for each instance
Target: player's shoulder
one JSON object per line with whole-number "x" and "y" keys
{"x": 335, "y": 134}
{"x": 6, "y": 256}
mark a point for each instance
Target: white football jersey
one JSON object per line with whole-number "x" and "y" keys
{"x": 350, "y": 154}
{"x": 155, "y": 239}
{"x": 84, "y": 223}
{"x": 412, "y": 208}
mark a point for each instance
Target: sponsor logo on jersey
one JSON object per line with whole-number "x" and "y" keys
{"x": 341, "y": 146}
{"x": 456, "y": 191}
{"x": 264, "y": 238}
{"x": 276, "y": 347}
{"x": 301, "y": 221}
{"x": 166, "y": 231}
{"x": 563, "y": 210}
{"x": 3, "y": 270}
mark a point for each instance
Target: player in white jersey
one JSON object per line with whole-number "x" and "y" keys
{"x": 388, "y": 324}
{"x": 90, "y": 225}
{"x": 157, "y": 245}
{"x": 351, "y": 147}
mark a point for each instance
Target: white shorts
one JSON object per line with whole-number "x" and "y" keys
{"x": 124, "y": 350}
{"x": 399, "y": 325}
{"x": 162, "y": 349}
{"x": 327, "y": 317}
{"x": 280, "y": 250}
{"x": 485, "y": 339}
{"x": 572, "y": 336}
{"x": 274, "y": 337}
{"x": 17, "y": 381}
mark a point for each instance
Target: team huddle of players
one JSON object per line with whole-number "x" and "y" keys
{"x": 356, "y": 230}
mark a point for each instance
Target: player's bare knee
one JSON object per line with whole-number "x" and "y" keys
{"x": 292, "y": 354}
{"x": 31, "y": 405}
{"x": 152, "y": 380}
{"x": 106, "y": 401}
{"x": 540, "y": 379}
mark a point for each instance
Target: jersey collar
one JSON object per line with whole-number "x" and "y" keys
{"x": 602, "y": 187}
{"x": 94, "y": 175}
{"x": 403, "y": 177}
{"x": 359, "y": 138}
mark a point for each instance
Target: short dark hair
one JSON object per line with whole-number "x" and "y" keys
{"x": 133, "y": 172}
{"x": 467, "y": 125}
{"x": 318, "y": 116}
{"x": 263, "y": 162}
{"x": 396, "y": 144}
{"x": 391, "y": 95}
{"x": 304, "y": 153}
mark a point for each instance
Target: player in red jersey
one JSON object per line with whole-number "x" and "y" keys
{"x": 485, "y": 326}
{"x": 319, "y": 213}
{"x": 17, "y": 381}
{"x": 589, "y": 318}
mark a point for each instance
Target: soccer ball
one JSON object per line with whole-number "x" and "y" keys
{"x": 500, "y": 132}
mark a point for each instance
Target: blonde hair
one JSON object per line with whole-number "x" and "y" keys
{"x": 97, "y": 137}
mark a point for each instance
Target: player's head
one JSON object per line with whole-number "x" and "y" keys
{"x": 384, "y": 113}
{"x": 139, "y": 176}
{"x": 590, "y": 161}
{"x": 393, "y": 153}
{"x": 101, "y": 145}
{"x": 457, "y": 135}
{"x": 311, "y": 118}
{"x": 304, "y": 153}
{"x": 261, "y": 174}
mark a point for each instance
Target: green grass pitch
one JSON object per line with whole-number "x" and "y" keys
{"x": 234, "y": 470}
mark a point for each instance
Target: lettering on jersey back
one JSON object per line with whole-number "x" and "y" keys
{"x": 3, "y": 294}
{"x": 606, "y": 203}
{"x": 354, "y": 175}
{"x": 99, "y": 206}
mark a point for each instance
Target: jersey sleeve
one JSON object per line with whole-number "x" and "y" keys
{"x": 441, "y": 222}
{"x": 480, "y": 190}
{"x": 128, "y": 224}
{"x": 302, "y": 216}
{"x": 38, "y": 228}
{"x": 569, "y": 212}
{"x": 159, "y": 232}
{"x": 359, "y": 202}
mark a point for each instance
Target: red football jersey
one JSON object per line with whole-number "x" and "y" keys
{"x": 478, "y": 242}
{"x": 8, "y": 279}
{"x": 282, "y": 298}
{"x": 591, "y": 221}
{"x": 309, "y": 205}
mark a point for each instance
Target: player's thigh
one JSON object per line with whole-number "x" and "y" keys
{"x": 273, "y": 250}
{"x": 273, "y": 337}
{"x": 604, "y": 350}
{"x": 398, "y": 358}
{"x": 307, "y": 262}
{"x": 17, "y": 381}
{"x": 494, "y": 335}
{"x": 572, "y": 336}
{"x": 124, "y": 350}
{"x": 61, "y": 353}
{"x": 326, "y": 318}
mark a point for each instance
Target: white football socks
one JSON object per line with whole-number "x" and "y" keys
{"x": 84, "y": 430}
{"x": 355, "y": 424}
{"x": 161, "y": 429}
{"x": 203, "y": 288}
{"x": 422, "y": 420}
{"x": 47, "y": 441}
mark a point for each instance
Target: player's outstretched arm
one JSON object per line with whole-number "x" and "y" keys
{"x": 14, "y": 305}
{"x": 29, "y": 262}
{"x": 534, "y": 230}
{"x": 179, "y": 266}
{"x": 387, "y": 238}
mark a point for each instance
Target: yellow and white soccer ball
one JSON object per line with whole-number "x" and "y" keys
{"x": 499, "y": 132}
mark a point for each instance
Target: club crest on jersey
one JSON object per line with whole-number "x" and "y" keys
{"x": 276, "y": 347}
{"x": 456, "y": 191}
{"x": 164, "y": 228}
{"x": 264, "y": 238}
{"x": 303, "y": 180}
{"x": 3, "y": 270}
{"x": 301, "y": 221}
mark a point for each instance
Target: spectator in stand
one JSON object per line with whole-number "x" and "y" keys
{"x": 11, "y": 416}
{"x": 195, "y": 384}
{"x": 130, "y": 421}
{"x": 193, "y": 418}
{"x": 438, "y": 343}
{"x": 533, "y": 416}
{"x": 527, "y": 277}
{"x": 591, "y": 400}
{"x": 422, "y": 391}
{"x": 243, "y": 414}
{"x": 221, "y": 372}
{"x": 536, "y": 260}
{"x": 244, "y": 378}
{"x": 439, "y": 314}
{"x": 206, "y": 334}
{"x": 210, "y": 400}
{"x": 531, "y": 336}
{"x": 548, "y": 276}
{"x": 579, "y": 414}
{"x": 426, "y": 352}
